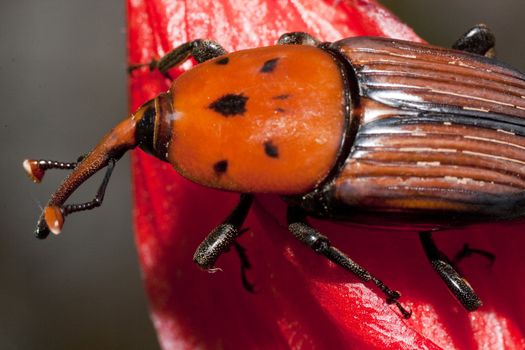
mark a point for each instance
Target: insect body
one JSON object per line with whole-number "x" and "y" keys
{"x": 415, "y": 132}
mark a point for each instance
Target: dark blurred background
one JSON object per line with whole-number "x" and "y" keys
{"x": 62, "y": 86}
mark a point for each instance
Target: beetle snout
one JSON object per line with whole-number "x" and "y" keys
{"x": 51, "y": 220}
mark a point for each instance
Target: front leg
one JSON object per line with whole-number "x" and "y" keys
{"x": 201, "y": 50}
{"x": 222, "y": 238}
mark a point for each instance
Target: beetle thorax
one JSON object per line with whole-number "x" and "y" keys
{"x": 262, "y": 120}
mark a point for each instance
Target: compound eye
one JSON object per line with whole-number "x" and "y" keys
{"x": 153, "y": 131}
{"x": 146, "y": 127}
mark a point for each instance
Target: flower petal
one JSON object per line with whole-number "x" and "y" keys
{"x": 303, "y": 301}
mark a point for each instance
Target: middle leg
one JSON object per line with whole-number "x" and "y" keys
{"x": 320, "y": 244}
{"x": 479, "y": 40}
{"x": 298, "y": 38}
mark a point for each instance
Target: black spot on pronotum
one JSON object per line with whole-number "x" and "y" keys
{"x": 220, "y": 167}
{"x": 230, "y": 105}
{"x": 223, "y": 61}
{"x": 269, "y": 65}
{"x": 271, "y": 150}
{"x": 281, "y": 97}
{"x": 279, "y": 110}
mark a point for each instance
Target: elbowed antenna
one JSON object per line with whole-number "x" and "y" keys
{"x": 111, "y": 148}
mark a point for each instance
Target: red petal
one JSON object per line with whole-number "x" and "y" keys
{"x": 303, "y": 301}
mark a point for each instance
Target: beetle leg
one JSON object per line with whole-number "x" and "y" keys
{"x": 201, "y": 50}
{"x": 36, "y": 169}
{"x": 320, "y": 244}
{"x": 467, "y": 251}
{"x": 297, "y": 38}
{"x": 454, "y": 281}
{"x": 479, "y": 40}
{"x": 223, "y": 237}
{"x": 245, "y": 263}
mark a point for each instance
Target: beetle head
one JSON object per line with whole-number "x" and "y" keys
{"x": 138, "y": 129}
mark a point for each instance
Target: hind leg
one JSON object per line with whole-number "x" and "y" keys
{"x": 467, "y": 251}
{"x": 456, "y": 283}
{"x": 479, "y": 40}
{"x": 320, "y": 244}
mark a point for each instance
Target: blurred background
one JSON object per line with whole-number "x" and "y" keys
{"x": 62, "y": 86}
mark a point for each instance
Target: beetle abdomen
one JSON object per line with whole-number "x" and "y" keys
{"x": 441, "y": 130}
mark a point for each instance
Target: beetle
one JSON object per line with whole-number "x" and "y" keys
{"x": 356, "y": 130}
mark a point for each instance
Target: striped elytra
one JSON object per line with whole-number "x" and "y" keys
{"x": 439, "y": 131}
